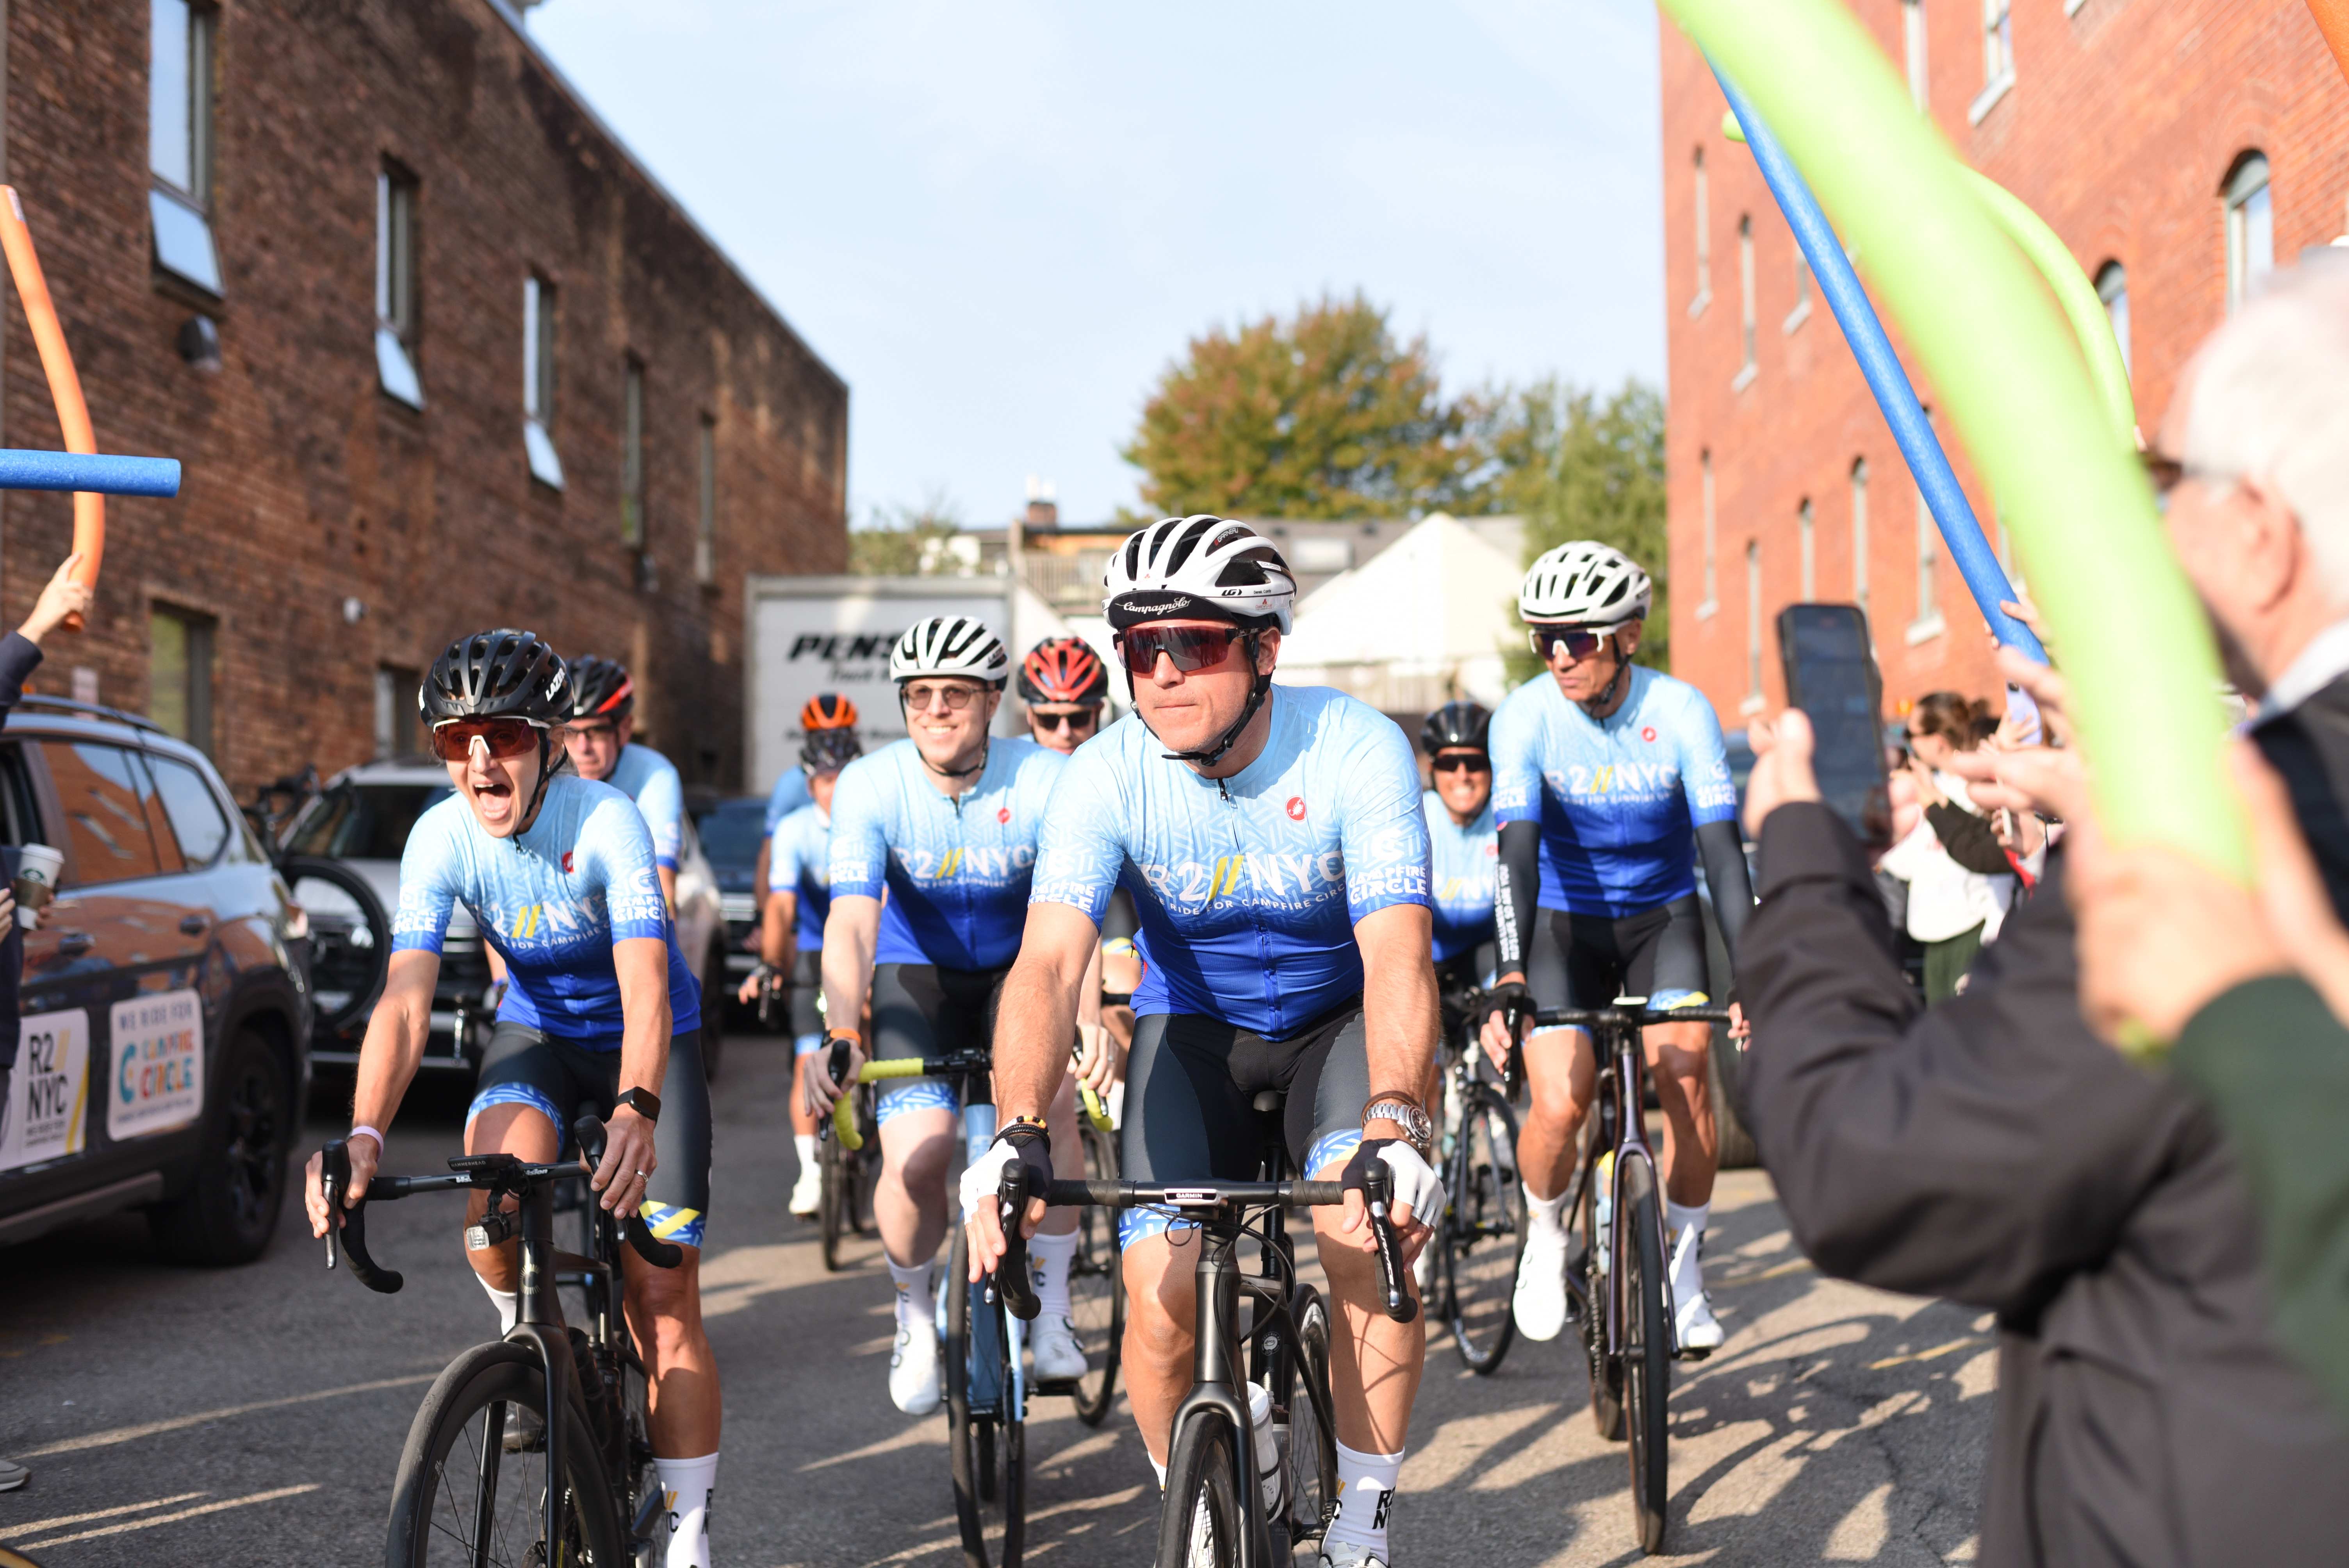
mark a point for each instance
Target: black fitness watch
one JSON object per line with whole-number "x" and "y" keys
{"x": 644, "y": 1102}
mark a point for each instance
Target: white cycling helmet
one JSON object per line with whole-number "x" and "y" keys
{"x": 1588, "y": 583}
{"x": 1200, "y": 566}
{"x": 950, "y": 645}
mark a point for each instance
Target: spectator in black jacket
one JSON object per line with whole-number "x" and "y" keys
{"x": 1995, "y": 1152}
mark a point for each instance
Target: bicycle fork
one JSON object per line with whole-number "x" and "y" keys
{"x": 1631, "y": 1144}
{"x": 540, "y": 1327}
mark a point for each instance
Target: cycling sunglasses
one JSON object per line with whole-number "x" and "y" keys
{"x": 1084, "y": 718}
{"x": 1462, "y": 761}
{"x": 919, "y": 696}
{"x": 1193, "y": 648}
{"x": 452, "y": 739}
{"x": 1579, "y": 642}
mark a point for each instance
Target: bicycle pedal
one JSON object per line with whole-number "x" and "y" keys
{"x": 1054, "y": 1386}
{"x": 1684, "y": 1354}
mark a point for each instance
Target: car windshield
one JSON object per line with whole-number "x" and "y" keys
{"x": 730, "y": 833}
{"x": 365, "y": 821}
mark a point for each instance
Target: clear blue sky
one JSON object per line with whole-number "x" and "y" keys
{"x": 999, "y": 222}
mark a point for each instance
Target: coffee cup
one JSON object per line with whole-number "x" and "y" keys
{"x": 38, "y": 866}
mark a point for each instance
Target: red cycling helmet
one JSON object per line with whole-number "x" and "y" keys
{"x": 1063, "y": 669}
{"x": 828, "y": 710}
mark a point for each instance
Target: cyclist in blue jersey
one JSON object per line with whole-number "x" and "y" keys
{"x": 790, "y": 936}
{"x": 826, "y": 710}
{"x": 944, "y": 824}
{"x": 1272, "y": 839}
{"x": 602, "y": 742}
{"x": 600, "y": 1012}
{"x": 1464, "y": 849}
{"x": 1609, "y": 780}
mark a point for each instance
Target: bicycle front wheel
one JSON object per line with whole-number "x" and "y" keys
{"x": 836, "y": 1167}
{"x": 1484, "y": 1233}
{"x": 1200, "y": 1519}
{"x": 986, "y": 1432}
{"x": 1097, "y": 1287}
{"x": 461, "y": 1500}
{"x": 1312, "y": 1439}
{"x": 1647, "y": 1356}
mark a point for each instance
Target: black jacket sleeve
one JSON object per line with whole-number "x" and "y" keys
{"x": 1517, "y": 884}
{"x": 1968, "y": 840}
{"x": 1984, "y": 1150}
{"x": 19, "y": 656}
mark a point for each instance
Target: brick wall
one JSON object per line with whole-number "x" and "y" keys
{"x": 306, "y": 484}
{"x": 2125, "y": 119}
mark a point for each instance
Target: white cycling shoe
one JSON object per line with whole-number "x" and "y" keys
{"x": 1059, "y": 1357}
{"x": 807, "y": 1193}
{"x": 913, "y": 1370}
{"x": 1346, "y": 1554}
{"x": 1698, "y": 1332}
{"x": 1540, "y": 1302}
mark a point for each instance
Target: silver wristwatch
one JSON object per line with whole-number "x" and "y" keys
{"x": 1416, "y": 1124}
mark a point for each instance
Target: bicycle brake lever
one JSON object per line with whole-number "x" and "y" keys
{"x": 1012, "y": 1278}
{"x": 352, "y": 1223}
{"x": 1377, "y": 1192}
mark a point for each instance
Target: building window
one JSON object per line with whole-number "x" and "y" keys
{"x": 1745, "y": 284}
{"x": 1753, "y": 625}
{"x": 1928, "y": 622}
{"x": 1860, "y": 532}
{"x": 1712, "y": 597}
{"x": 2251, "y": 229}
{"x": 705, "y": 528}
{"x": 538, "y": 380}
{"x": 395, "y": 286}
{"x": 1703, "y": 239}
{"x": 1998, "y": 56}
{"x": 1912, "y": 37}
{"x": 180, "y": 141}
{"x": 180, "y": 675}
{"x": 1802, "y": 311}
{"x": 2112, "y": 287}
{"x": 1808, "y": 522}
{"x": 395, "y": 712}
{"x": 632, "y": 454}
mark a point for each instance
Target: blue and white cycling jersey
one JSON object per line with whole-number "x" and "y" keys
{"x": 1247, "y": 889}
{"x": 1618, "y": 800}
{"x": 798, "y": 862}
{"x": 650, "y": 779}
{"x": 958, "y": 870}
{"x": 1463, "y": 861}
{"x": 552, "y": 902}
{"x": 791, "y": 793}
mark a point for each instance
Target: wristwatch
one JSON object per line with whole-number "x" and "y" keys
{"x": 646, "y": 1103}
{"x": 1416, "y": 1124}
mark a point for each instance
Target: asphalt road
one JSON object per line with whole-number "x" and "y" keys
{"x": 255, "y": 1416}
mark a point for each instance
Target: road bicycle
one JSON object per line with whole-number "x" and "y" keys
{"x": 848, "y": 1166}
{"x": 986, "y": 1383}
{"x": 1471, "y": 1261}
{"x": 472, "y": 1488}
{"x": 1236, "y": 1497}
{"x": 1621, "y": 1294}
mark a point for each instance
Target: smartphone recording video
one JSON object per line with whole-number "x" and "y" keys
{"x": 1831, "y": 675}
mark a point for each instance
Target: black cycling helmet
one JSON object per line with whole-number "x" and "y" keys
{"x": 829, "y": 750}
{"x": 600, "y": 688}
{"x": 499, "y": 674}
{"x": 1455, "y": 727}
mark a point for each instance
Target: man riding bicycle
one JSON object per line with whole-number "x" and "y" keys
{"x": 826, "y": 710}
{"x": 798, "y": 891}
{"x": 602, "y": 743}
{"x": 601, "y": 1012}
{"x": 1272, "y": 839}
{"x": 1609, "y": 780}
{"x": 1065, "y": 685}
{"x": 944, "y": 822}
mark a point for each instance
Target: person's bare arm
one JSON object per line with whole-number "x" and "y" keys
{"x": 395, "y": 1035}
{"x": 642, "y": 964}
{"x": 1034, "y": 1023}
{"x": 669, "y": 888}
{"x": 1401, "y": 1023}
{"x": 851, "y": 931}
{"x": 775, "y": 922}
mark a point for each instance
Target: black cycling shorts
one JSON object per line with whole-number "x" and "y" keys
{"x": 559, "y": 1079}
{"x": 1190, "y": 1101}
{"x": 1589, "y": 960}
{"x": 923, "y": 1010}
{"x": 807, "y": 993}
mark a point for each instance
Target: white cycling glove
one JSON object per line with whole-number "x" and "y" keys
{"x": 983, "y": 1177}
{"x": 1416, "y": 1185}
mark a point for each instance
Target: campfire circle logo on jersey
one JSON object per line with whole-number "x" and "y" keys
{"x": 1296, "y": 808}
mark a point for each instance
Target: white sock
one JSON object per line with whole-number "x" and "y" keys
{"x": 1546, "y": 1214}
{"x": 1159, "y": 1468}
{"x": 914, "y": 1304}
{"x": 804, "y": 1144}
{"x": 1050, "y": 1257}
{"x": 507, "y": 1302}
{"x": 688, "y": 1487}
{"x": 1688, "y": 1273}
{"x": 1366, "y": 1487}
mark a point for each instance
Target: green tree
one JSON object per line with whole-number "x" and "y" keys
{"x": 1580, "y": 466}
{"x": 1322, "y": 415}
{"x": 902, "y": 540}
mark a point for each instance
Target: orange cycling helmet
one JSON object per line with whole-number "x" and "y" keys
{"x": 1063, "y": 669}
{"x": 828, "y": 710}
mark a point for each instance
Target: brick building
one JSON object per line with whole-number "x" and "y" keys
{"x": 2182, "y": 150}
{"x": 437, "y": 353}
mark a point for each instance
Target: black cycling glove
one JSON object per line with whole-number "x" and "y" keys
{"x": 1514, "y": 1001}
{"x": 1033, "y": 1147}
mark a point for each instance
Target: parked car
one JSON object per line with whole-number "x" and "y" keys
{"x": 363, "y": 817}
{"x": 163, "y": 1056}
{"x": 732, "y": 832}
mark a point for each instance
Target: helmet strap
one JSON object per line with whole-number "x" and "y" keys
{"x": 957, "y": 774}
{"x": 1259, "y": 688}
{"x": 1598, "y": 706}
{"x": 545, "y": 776}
